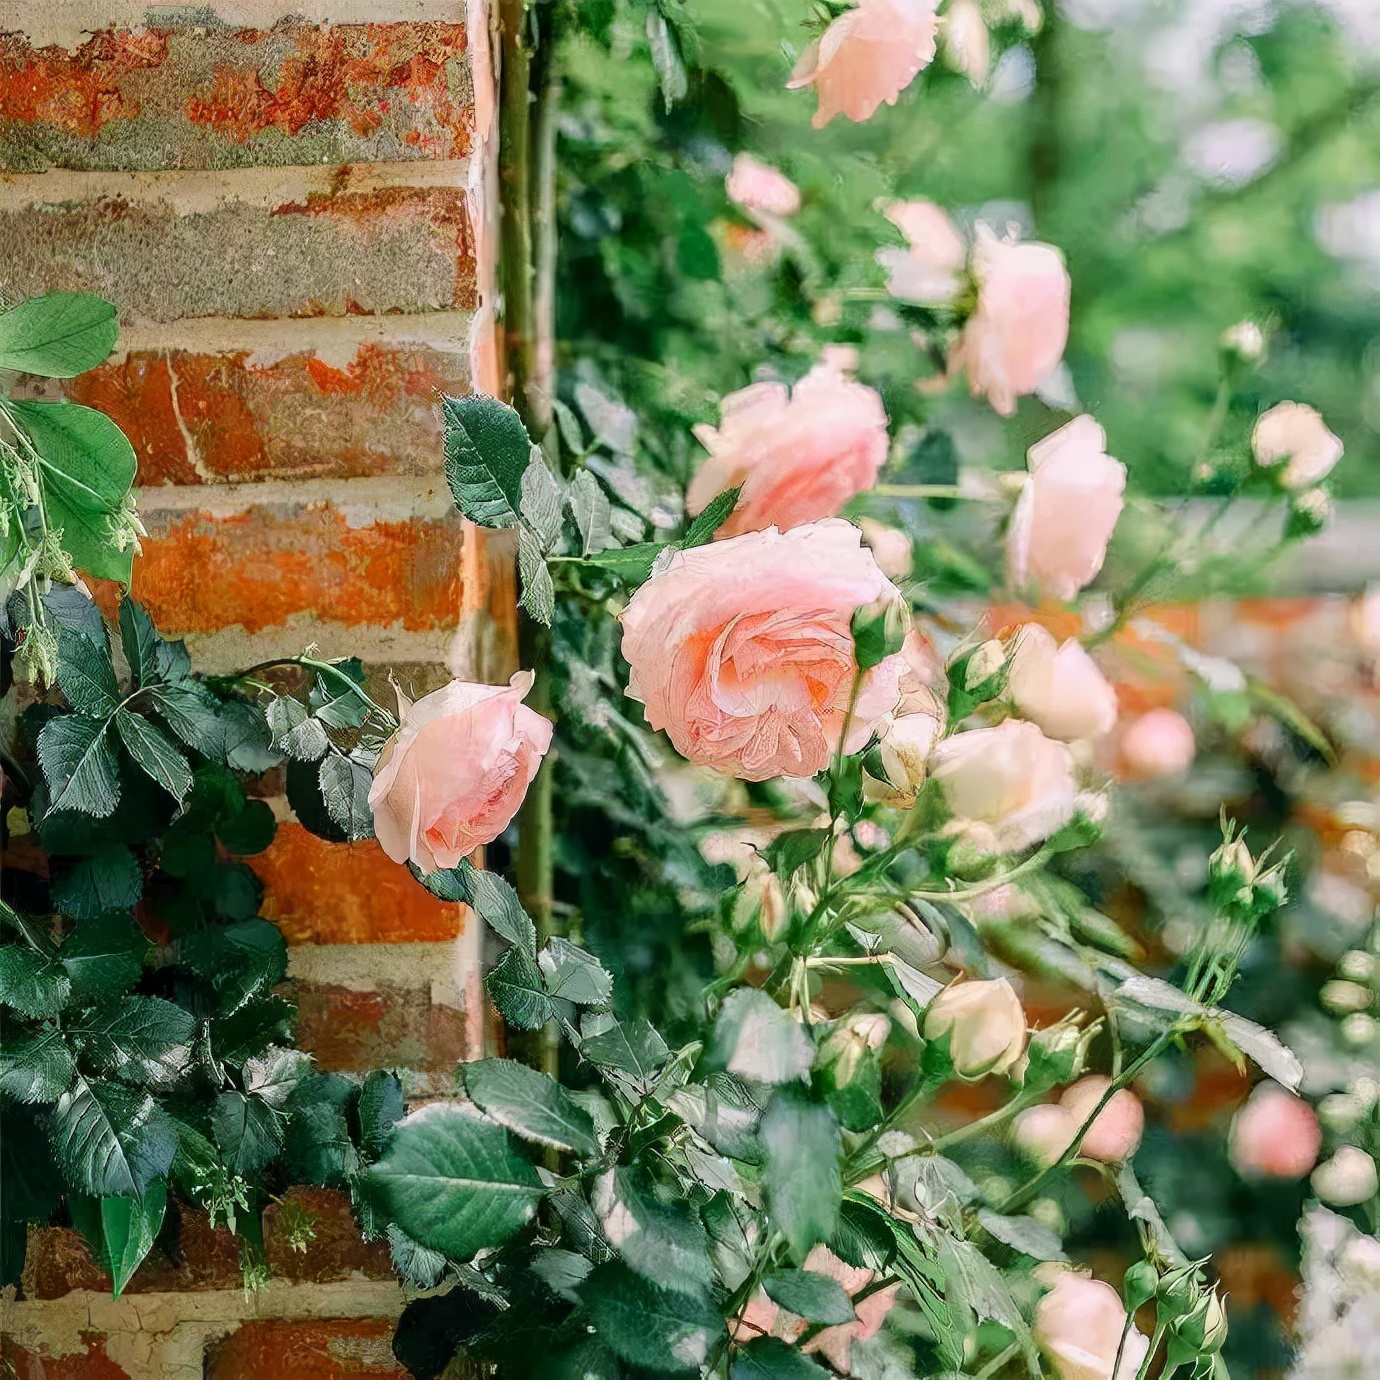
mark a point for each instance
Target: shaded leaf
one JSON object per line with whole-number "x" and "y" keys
{"x": 516, "y": 986}
{"x": 800, "y": 1139}
{"x": 79, "y": 765}
{"x": 531, "y": 1105}
{"x": 111, "y": 1140}
{"x": 657, "y": 1329}
{"x": 154, "y": 753}
{"x": 487, "y": 451}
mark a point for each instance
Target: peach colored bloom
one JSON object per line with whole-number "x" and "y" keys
{"x": 758, "y": 187}
{"x": 1007, "y": 787}
{"x": 798, "y": 455}
{"x": 453, "y": 775}
{"x": 1015, "y": 338}
{"x": 742, "y": 650}
{"x": 1044, "y": 1133}
{"x": 1294, "y": 434}
{"x": 1159, "y": 743}
{"x": 1069, "y": 505}
{"x": 1274, "y": 1136}
{"x": 967, "y": 44}
{"x": 1116, "y": 1130}
{"x": 1058, "y": 686}
{"x": 890, "y": 547}
{"x": 985, "y": 1023}
{"x": 929, "y": 271}
{"x": 1079, "y": 1326}
{"x": 867, "y": 57}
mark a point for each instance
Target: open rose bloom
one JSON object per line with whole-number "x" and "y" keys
{"x": 1058, "y": 687}
{"x": 742, "y": 650}
{"x": 867, "y": 57}
{"x": 452, "y": 777}
{"x": 799, "y": 454}
{"x": 929, "y": 271}
{"x": 1079, "y": 1326}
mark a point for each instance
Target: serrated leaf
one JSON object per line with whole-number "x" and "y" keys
{"x": 498, "y": 906}
{"x": 590, "y": 506}
{"x": 58, "y": 335}
{"x": 1028, "y": 1235}
{"x": 141, "y": 642}
{"x": 154, "y": 753}
{"x": 755, "y": 1039}
{"x": 716, "y": 513}
{"x": 35, "y": 1066}
{"x": 453, "y": 1181}
{"x": 105, "y": 881}
{"x": 574, "y": 975}
{"x": 633, "y": 1048}
{"x": 658, "y": 1329}
{"x": 420, "y": 1267}
{"x": 974, "y": 1286}
{"x": 31, "y": 983}
{"x": 240, "y": 961}
{"x": 295, "y": 732}
{"x": 816, "y": 1298}
{"x": 79, "y": 765}
{"x": 129, "y": 1227}
{"x": 275, "y": 1074}
{"x": 141, "y": 1040}
{"x": 487, "y": 451}
{"x": 111, "y": 1140}
{"x": 800, "y": 1139}
{"x": 630, "y": 564}
{"x": 248, "y": 738}
{"x": 531, "y": 1105}
{"x": 318, "y": 1144}
{"x": 663, "y": 1241}
{"x": 345, "y": 787}
{"x": 562, "y": 1272}
{"x": 86, "y": 676}
{"x": 248, "y": 1131}
{"x": 105, "y": 955}
{"x": 538, "y": 590}
{"x": 541, "y": 501}
{"x": 769, "y": 1358}
{"x": 516, "y": 986}
{"x": 381, "y": 1106}
{"x": 193, "y": 714}
{"x": 911, "y": 982}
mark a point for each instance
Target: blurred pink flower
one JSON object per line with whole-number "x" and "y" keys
{"x": 798, "y": 455}
{"x": 742, "y": 650}
{"x": 758, "y": 187}
{"x": 867, "y": 57}
{"x": 1068, "y": 507}
{"x": 929, "y": 271}
{"x": 1079, "y": 1326}
{"x": 1158, "y": 743}
{"x": 1058, "y": 686}
{"x": 1274, "y": 1136}
{"x": 1015, "y": 338}
{"x": 1116, "y": 1130}
{"x": 890, "y": 547}
{"x": 1295, "y": 434}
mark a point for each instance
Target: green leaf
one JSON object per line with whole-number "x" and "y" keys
{"x": 531, "y": 1105}
{"x": 105, "y": 955}
{"x": 154, "y": 753}
{"x": 814, "y": 1297}
{"x": 79, "y": 765}
{"x": 541, "y": 501}
{"x": 974, "y": 1286}
{"x": 58, "y": 335}
{"x": 249, "y": 830}
{"x": 632, "y": 1048}
{"x": 86, "y": 677}
{"x": 295, "y": 732}
{"x": 318, "y": 1144}
{"x": 497, "y": 904}
{"x": 141, "y": 1040}
{"x": 381, "y": 1106}
{"x": 716, "y": 512}
{"x": 345, "y": 787}
{"x": 538, "y": 590}
{"x": 1028, "y": 1235}
{"x": 248, "y": 1131}
{"x": 769, "y": 1358}
{"x": 630, "y": 564}
{"x": 572, "y": 974}
{"x": 755, "y": 1039}
{"x": 106, "y": 881}
{"x": 664, "y": 1241}
{"x": 31, "y": 983}
{"x": 193, "y": 714}
{"x": 35, "y": 1066}
{"x": 657, "y": 1329}
{"x": 141, "y": 642}
{"x": 129, "y": 1227}
{"x": 788, "y": 852}
{"x": 420, "y": 1268}
{"x": 589, "y": 505}
{"x": 241, "y": 961}
{"x": 487, "y": 451}
{"x": 800, "y": 1139}
{"x": 275, "y": 1074}
{"x": 111, "y": 1140}
{"x": 87, "y": 466}
{"x": 453, "y": 1181}
{"x": 516, "y": 986}
{"x": 248, "y": 738}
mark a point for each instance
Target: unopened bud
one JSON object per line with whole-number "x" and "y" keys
{"x": 984, "y": 663}
{"x": 1308, "y": 514}
{"x": 1340, "y": 1112}
{"x": 1203, "y": 1329}
{"x": 850, "y": 1041}
{"x": 1245, "y": 340}
{"x": 1341, "y": 997}
{"x": 1057, "y": 1054}
{"x": 1347, "y": 1179}
{"x": 1359, "y": 1029}
{"x": 1139, "y": 1284}
{"x": 1357, "y": 966}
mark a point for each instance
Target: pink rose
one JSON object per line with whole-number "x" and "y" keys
{"x": 1058, "y": 686}
{"x": 985, "y": 1023}
{"x": 1159, "y": 743}
{"x": 890, "y": 547}
{"x": 1070, "y": 502}
{"x": 1079, "y": 1325}
{"x": 1008, "y": 787}
{"x": 1274, "y": 1136}
{"x": 1295, "y": 435}
{"x": 1015, "y": 338}
{"x": 867, "y": 57}
{"x": 930, "y": 271}
{"x": 799, "y": 456}
{"x": 742, "y": 651}
{"x": 452, "y": 777}
{"x": 758, "y": 187}
{"x": 1116, "y": 1130}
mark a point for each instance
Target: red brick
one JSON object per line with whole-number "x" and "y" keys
{"x": 335, "y": 1250}
{"x": 393, "y": 1027}
{"x": 93, "y": 1364}
{"x": 332, "y": 893}
{"x": 306, "y": 1351}
{"x": 195, "y": 417}
{"x": 202, "y": 96}
{"x": 256, "y": 569}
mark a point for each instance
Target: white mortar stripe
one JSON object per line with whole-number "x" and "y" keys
{"x": 191, "y": 193}
{"x": 69, "y": 23}
{"x": 438, "y": 968}
{"x": 232, "y": 648}
{"x": 362, "y": 502}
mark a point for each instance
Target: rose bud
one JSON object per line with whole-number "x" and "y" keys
{"x": 1274, "y": 1136}
{"x": 1058, "y": 687}
{"x": 985, "y": 1023}
{"x": 1295, "y": 435}
{"x": 1347, "y": 1179}
{"x": 1080, "y": 1324}
{"x": 1159, "y": 743}
{"x": 1116, "y": 1130}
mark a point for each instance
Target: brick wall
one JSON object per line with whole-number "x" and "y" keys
{"x": 289, "y": 203}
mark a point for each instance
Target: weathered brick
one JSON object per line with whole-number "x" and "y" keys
{"x": 290, "y": 1350}
{"x": 251, "y": 243}
{"x": 351, "y": 1031}
{"x": 188, "y": 93}
{"x": 92, "y": 1364}
{"x": 330, "y": 893}
{"x": 195, "y": 417}
{"x": 334, "y": 1249}
{"x": 200, "y": 571}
